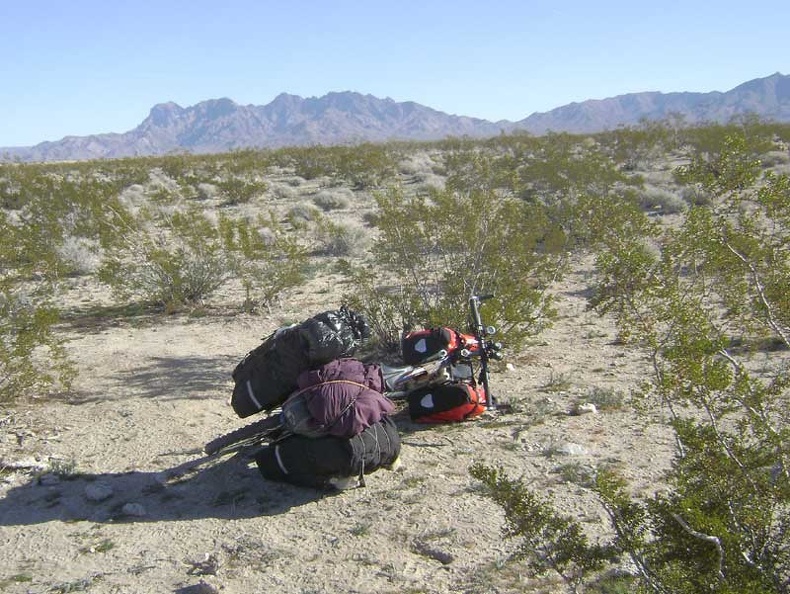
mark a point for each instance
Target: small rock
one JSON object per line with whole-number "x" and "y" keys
{"x": 23, "y": 464}
{"x": 133, "y": 509}
{"x": 572, "y": 449}
{"x": 208, "y": 566}
{"x": 98, "y": 491}
{"x": 510, "y": 367}
{"x": 343, "y": 483}
{"x": 585, "y": 408}
{"x": 202, "y": 587}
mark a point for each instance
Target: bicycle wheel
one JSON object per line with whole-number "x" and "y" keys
{"x": 243, "y": 437}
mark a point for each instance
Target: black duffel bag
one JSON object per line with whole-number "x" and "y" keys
{"x": 331, "y": 462}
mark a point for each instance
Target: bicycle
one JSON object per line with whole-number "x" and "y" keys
{"x": 464, "y": 359}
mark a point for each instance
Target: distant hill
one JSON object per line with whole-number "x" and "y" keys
{"x": 220, "y": 125}
{"x": 767, "y": 97}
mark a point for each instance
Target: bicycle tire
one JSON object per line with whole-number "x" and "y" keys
{"x": 243, "y": 437}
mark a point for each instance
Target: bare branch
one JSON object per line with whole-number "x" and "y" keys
{"x": 773, "y": 323}
{"x": 707, "y": 538}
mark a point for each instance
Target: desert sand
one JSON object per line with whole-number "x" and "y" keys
{"x": 108, "y": 490}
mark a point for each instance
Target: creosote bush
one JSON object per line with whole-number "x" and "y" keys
{"x": 433, "y": 252}
{"x": 702, "y": 299}
{"x": 33, "y": 359}
{"x": 167, "y": 259}
{"x": 547, "y": 540}
{"x": 180, "y": 258}
{"x": 339, "y": 239}
{"x": 265, "y": 257}
{"x": 237, "y": 190}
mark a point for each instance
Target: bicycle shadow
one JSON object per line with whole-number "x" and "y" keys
{"x": 229, "y": 488}
{"x": 204, "y": 487}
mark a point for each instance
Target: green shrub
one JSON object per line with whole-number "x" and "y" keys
{"x": 169, "y": 260}
{"x": 340, "y": 240}
{"x": 433, "y": 252}
{"x": 363, "y": 166}
{"x": 720, "y": 282}
{"x": 332, "y": 200}
{"x": 633, "y": 148}
{"x": 237, "y": 190}
{"x": 661, "y": 201}
{"x": 547, "y": 540}
{"x": 267, "y": 259}
{"x": 702, "y": 301}
{"x": 33, "y": 360}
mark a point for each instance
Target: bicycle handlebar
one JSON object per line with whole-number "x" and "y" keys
{"x": 480, "y": 334}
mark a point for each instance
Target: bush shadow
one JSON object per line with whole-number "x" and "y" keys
{"x": 173, "y": 378}
{"x": 179, "y": 377}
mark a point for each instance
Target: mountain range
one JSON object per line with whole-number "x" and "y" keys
{"x": 221, "y": 125}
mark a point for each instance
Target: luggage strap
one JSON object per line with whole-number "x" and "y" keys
{"x": 334, "y": 381}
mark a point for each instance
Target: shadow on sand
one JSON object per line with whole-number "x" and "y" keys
{"x": 170, "y": 378}
{"x": 226, "y": 488}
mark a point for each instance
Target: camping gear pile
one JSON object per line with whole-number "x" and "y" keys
{"x": 334, "y": 412}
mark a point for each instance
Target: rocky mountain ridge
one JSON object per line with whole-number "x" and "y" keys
{"x": 220, "y": 125}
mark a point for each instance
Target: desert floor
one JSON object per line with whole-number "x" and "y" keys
{"x": 108, "y": 491}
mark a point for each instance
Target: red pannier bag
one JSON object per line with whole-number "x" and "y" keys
{"x": 446, "y": 403}
{"x": 421, "y": 345}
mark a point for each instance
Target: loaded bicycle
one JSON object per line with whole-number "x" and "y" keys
{"x": 445, "y": 378}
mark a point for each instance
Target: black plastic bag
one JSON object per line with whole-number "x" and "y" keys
{"x": 268, "y": 374}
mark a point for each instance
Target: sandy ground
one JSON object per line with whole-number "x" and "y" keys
{"x": 109, "y": 491}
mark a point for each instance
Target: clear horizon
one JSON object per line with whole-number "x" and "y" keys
{"x": 89, "y": 67}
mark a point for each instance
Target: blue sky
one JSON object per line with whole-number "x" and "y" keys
{"x": 79, "y": 67}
